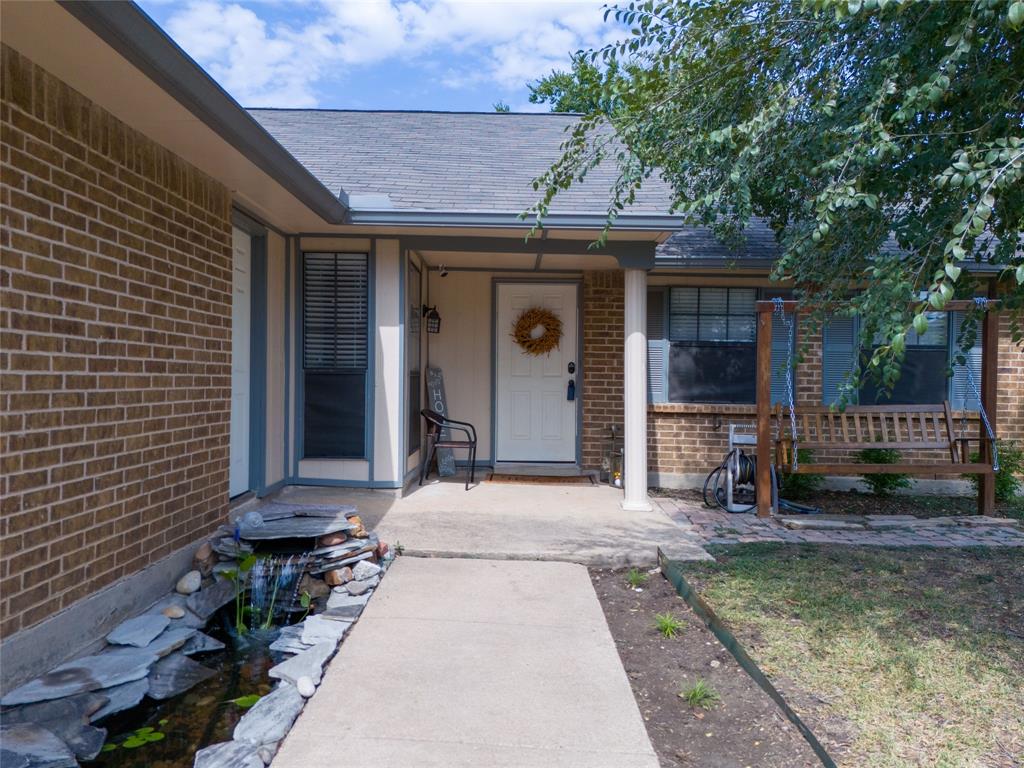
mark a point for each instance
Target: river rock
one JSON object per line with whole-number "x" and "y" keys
{"x": 359, "y": 531}
{"x": 200, "y": 643}
{"x": 33, "y": 746}
{"x": 317, "y": 629}
{"x": 120, "y": 698}
{"x": 89, "y": 673}
{"x": 173, "y": 612}
{"x": 338, "y": 577}
{"x": 365, "y": 570}
{"x": 332, "y": 540}
{"x": 176, "y": 674}
{"x": 139, "y": 631}
{"x": 189, "y": 583}
{"x": 357, "y": 587}
{"x": 308, "y": 664}
{"x": 204, "y": 559}
{"x": 270, "y": 717}
{"x": 205, "y": 602}
{"x": 228, "y": 754}
{"x": 305, "y": 686}
{"x": 314, "y": 586}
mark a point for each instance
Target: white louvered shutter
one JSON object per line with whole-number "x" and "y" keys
{"x": 657, "y": 347}
{"x": 837, "y": 356}
{"x": 961, "y": 396}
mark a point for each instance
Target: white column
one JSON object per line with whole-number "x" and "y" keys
{"x": 635, "y": 392}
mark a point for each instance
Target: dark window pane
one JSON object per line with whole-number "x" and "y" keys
{"x": 721, "y": 373}
{"x": 335, "y": 415}
{"x": 415, "y": 420}
{"x": 923, "y": 380}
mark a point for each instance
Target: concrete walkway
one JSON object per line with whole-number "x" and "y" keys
{"x": 475, "y": 663}
{"x": 510, "y": 521}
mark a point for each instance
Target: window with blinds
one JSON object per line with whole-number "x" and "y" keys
{"x": 335, "y": 353}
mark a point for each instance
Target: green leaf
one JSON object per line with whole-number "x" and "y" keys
{"x": 246, "y": 701}
{"x": 921, "y": 323}
{"x": 1020, "y": 274}
{"x": 953, "y": 271}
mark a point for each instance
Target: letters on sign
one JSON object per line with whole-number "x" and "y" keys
{"x": 436, "y": 402}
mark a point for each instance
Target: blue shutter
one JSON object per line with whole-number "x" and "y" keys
{"x": 657, "y": 347}
{"x": 961, "y": 396}
{"x": 780, "y": 353}
{"x": 839, "y": 344}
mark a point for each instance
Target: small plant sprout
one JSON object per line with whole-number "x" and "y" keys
{"x": 700, "y": 695}
{"x": 668, "y": 624}
{"x": 636, "y": 578}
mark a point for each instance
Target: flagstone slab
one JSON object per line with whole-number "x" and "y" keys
{"x": 139, "y": 631}
{"x": 111, "y": 667}
{"x": 342, "y": 599}
{"x": 32, "y": 746}
{"x": 317, "y": 629}
{"x": 228, "y": 754}
{"x": 121, "y": 697}
{"x": 295, "y": 528}
{"x": 189, "y": 619}
{"x": 206, "y": 601}
{"x": 309, "y": 663}
{"x": 200, "y": 643}
{"x": 171, "y": 640}
{"x": 176, "y": 674}
{"x": 270, "y": 718}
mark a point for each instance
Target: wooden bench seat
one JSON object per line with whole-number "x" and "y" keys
{"x": 898, "y": 427}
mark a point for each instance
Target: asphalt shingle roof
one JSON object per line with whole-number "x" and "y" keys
{"x": 473, "y": 162}
{"x": 451, "y": 161}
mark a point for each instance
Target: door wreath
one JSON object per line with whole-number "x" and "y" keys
{"x": 531, "y": 319}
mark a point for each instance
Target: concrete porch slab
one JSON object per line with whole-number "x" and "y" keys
{"x": 475, "y": 662}
{"x": 508, "y": 521}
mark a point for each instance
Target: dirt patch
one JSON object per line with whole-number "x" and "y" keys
{"x": 857, "y": 503}
{"x": 745, "y": 728}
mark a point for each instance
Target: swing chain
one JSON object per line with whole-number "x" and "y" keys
{"x": 981, "y": 302}
{"x": 780, "y": 311}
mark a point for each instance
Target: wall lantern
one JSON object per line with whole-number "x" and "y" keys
{"x": 433, "y": 319}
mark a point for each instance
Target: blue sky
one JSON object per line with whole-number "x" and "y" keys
{"x": 382, "y": 54}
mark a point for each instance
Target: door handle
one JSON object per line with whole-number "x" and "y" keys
{"x": 570, "y": 392}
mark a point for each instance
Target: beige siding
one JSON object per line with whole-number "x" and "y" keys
{"x": 388, "y": 367}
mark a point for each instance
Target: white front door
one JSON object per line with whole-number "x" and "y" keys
{"x": 535, "y": 420}
{"x": 241, "y": 319}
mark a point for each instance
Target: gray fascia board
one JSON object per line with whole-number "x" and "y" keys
{"x": 129, "y": 31}
{"x": 737, "y": 263}
{"x": 512, "y": 220}
{"x": 632, "y": 253}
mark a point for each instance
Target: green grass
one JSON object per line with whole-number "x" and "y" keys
{"x": 636, "y": 578}
{"x": 700, "y": 695}
{"x": 919, "y": 653}
{"x": 668, "y": 625}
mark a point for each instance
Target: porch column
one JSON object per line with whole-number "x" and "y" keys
{"x": 635, "y": 392}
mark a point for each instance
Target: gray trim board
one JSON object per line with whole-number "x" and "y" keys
{"x": 130, "y": 32}
{"x": 630, "y": 253}
{"x": 511, "y": 219}
{"x": 258, "y": 367}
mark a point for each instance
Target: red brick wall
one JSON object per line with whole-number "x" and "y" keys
{"x": 116, "y": 348}
{"x": 685, "y": 438}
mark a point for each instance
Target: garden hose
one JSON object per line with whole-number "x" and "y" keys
{"x": 746, "y": 474}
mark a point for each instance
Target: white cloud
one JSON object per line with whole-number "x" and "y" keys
{"x": 506, "y": 43}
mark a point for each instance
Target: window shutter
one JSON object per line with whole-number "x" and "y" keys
{"x": 780, "y": 361}
{"x": 961, "y": 396}
{"x": 657, "y": 347}
{"x": 334, "y": 311}
{"x": 839, "y": 345}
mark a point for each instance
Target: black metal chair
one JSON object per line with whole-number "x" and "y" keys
{"x": 436, "y": 423}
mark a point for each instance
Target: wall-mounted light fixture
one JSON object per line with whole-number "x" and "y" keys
{"x": 433, "y": 319}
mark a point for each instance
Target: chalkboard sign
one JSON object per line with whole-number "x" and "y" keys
{"x": 436, "y": 402}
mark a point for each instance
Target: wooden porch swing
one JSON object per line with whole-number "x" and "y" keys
{"x": 918, "y": 428}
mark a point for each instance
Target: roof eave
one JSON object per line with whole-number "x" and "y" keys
{"x": 130, "y": 32}
{"x": 509, "y": 220}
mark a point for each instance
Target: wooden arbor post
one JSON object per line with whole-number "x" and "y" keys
{"x": 764, "y": 409}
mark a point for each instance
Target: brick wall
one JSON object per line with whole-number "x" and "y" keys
{"x": 691, "y": 439}
{"x": 116, "y": 341}
{"x": 603, "y": 340}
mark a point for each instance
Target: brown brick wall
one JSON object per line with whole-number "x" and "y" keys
{"x": 685, "y": 438}
{"x": 603, "y": 341}
{"x": 116, "y": 341}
